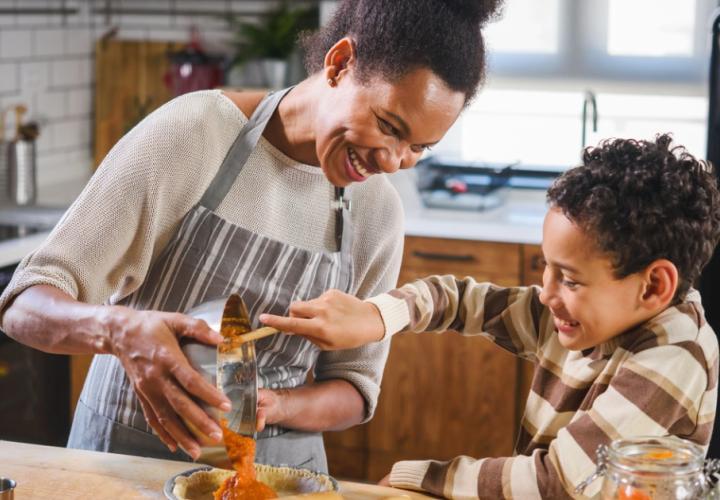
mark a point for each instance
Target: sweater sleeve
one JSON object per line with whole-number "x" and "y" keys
{"x": 101, "y": 249}
{"x": 658, "y": 391}
{"x": 376, "y": 269}
{"x": 513, "y": 318}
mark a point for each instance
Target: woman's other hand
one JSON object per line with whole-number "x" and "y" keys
{"x": 385, "y": 481}
{"x": 333, "y": 321}
{"x": 146, "y": 342}
{"x": 269, "y": 407}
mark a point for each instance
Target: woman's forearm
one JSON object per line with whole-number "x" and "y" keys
{"x": 50, "y": 320}
{"x": 330, "y": 405}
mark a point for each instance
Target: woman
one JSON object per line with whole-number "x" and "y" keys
{"x": 216, "y": 193}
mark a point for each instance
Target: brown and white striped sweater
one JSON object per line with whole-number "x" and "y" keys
{"x": 660, "y": 378}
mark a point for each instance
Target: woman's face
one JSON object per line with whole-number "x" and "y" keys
{"x": 364, "y": 129}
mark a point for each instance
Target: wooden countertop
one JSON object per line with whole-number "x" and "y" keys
{"x": 49, "y": 472}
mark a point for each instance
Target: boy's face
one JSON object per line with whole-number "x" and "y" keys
{"x": 589, "y": 305}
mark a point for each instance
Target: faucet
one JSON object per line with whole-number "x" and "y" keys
{"x": 588, "y": 99}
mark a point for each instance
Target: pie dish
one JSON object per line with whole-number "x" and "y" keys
{"x": 200, "y": 483}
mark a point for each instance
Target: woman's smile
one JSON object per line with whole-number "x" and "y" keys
{"x": 356, "y": 168}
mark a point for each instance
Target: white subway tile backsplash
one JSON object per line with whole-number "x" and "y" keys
{"x": 46, "y": 63}
{"x": 49, "y": 42}
{"x": 33, "y": 76}
{"x": 45, "y": 139}
{"x": 70, "y": 72}
{"x": 8, "y": 77}
{"x": 78, "y": 41}
{"x": 71, "y": 133}
{"x": 15, "y": 43}
{"x": 79, "y": 102}
{"x": 51, "y": 105}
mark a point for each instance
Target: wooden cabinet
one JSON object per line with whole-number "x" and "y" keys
{"x": 444, "y": 395}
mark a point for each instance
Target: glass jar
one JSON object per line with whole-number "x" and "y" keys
{"x": 646, "y": 468}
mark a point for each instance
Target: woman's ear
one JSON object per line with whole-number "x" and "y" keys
{"x": 338, "y": 59}
{"x": 660, "y": 284}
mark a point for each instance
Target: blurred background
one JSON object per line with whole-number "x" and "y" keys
{"x": 75, "y": 75}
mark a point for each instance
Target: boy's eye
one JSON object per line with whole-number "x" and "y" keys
{"x": 569, "y": 283}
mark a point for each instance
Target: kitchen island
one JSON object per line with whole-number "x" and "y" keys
{"x": 48, "y": 472}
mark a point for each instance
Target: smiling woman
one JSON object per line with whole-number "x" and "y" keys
{"x": 218, "y": 193}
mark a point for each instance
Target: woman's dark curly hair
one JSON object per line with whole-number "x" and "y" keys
{"x": 394, "y": 37}
{"x": 642, "y": 201}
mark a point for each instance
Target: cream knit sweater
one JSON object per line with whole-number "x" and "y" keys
{"x": 105, "y": 244}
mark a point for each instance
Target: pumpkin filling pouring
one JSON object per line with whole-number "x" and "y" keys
{"x": 242, "y": 485}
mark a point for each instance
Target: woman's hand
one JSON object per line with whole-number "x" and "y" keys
{"x": 146, "y": 342}
{"x": 385, "y": 481}
{"x": 270, "y": 407}
{"x": 335, "y": 320}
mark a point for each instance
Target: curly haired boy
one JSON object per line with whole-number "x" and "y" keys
{"x": 617, "y": 333}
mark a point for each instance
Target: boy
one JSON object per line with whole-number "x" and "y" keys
{"x": 618, "y": 336}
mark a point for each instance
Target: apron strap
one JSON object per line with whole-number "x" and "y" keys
{"x": 241, "y": 149}
{"x": 238, "y": 155}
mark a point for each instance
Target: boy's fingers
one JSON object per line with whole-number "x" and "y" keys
{"x": 306, "y": 309}
{"x": 302, "y": 326}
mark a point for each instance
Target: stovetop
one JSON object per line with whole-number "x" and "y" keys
{"x": 450, "y": 183}
{"x": 14, "y": 231}
{"x": 19, "y": 222}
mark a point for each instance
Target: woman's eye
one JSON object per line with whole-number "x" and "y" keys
{"x": 418, "y": 148}
{"x": 387, "y": 128}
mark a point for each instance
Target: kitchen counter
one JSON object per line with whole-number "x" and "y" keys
{"x": 518, "y": 220}
{"x": 49, "y": 472}
{"x": 58, "y": 196}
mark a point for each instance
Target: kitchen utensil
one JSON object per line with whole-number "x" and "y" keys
{"x": 231, "y": 366}
{"x": 22, "y": 172}
{"x": 7, "y": 488}
{"x": 237, "y": 367}
{"x": 20, "y": 110}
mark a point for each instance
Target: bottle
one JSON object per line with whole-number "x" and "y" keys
{"x": 645, "y": 468}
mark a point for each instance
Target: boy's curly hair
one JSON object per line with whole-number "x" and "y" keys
{"x": 642, "y": 201}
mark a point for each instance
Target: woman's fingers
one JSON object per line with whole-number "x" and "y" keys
{"x": 168, "y": 419}
{"x": 196, "y": 385}
{"x": 152, "y": 420}
{"x": 192, "y": 413}
{"x": 186, "y": 326}
{"x": 301, "y": 326}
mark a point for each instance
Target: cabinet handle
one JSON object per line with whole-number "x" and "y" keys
{"x": 444, "y": 256}
{"x": 536, "y": 262}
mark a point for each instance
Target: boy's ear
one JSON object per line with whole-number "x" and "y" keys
{"x": 339, "y": 58}
{"x": 660, "y": 284}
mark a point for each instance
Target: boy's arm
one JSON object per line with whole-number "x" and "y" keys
{"x": 510, "y": 317}
{"x": 659, "y": 391}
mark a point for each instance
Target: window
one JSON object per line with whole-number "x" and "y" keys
{"x": 633, "y": 40}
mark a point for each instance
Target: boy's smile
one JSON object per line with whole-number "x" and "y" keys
{"x": 590, "y": 305}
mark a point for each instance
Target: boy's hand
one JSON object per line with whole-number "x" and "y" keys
{"x": 333, "y": 321}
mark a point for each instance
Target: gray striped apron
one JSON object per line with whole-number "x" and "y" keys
{"x": 210, "y": 258}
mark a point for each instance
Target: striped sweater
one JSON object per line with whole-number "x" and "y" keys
{"x": 659, "y": 378}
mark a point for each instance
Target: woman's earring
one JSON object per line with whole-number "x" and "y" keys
{"x": 331, "y": 82}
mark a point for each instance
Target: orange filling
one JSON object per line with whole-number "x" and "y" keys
{"x": 658, "y": 455}
{"x": 243, "y": 485}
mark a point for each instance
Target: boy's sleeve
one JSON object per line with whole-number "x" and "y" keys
{"x": 513, "y": 318}
{"x": 660, "y": 391}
